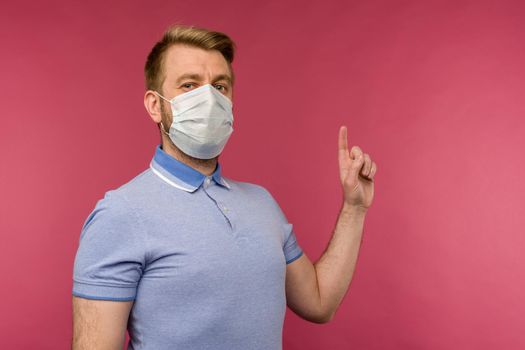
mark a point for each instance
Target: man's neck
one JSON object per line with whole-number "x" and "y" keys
{"x": 204, "y": 166}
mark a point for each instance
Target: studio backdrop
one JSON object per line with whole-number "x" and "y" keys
{"x": 434, "y": 91}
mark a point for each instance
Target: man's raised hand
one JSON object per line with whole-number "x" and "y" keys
{"x": 357, "y": 171}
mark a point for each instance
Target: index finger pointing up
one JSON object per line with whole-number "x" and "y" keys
{"x": 343, "y": 142}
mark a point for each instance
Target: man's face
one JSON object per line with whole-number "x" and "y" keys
{"x": 187, "y": 68}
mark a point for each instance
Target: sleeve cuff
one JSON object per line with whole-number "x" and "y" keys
{"x": 103, "y": 292}
{"x": 297, "y": 257}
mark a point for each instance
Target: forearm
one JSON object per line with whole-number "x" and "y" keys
{"x": 99, "y": 324}
{"x": 336, "y": 266}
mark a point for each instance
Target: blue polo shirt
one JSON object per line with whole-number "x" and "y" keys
{"x": 203, "y": 257}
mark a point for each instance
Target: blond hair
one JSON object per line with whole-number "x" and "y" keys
{"x": 188, "y": 35}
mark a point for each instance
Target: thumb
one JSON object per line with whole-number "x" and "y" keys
{"x": 356, "y": 166}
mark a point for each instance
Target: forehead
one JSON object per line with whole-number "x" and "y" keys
{"x": 181, "y": 59}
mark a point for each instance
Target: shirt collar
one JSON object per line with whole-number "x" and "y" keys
{"x": 181, "y": 175}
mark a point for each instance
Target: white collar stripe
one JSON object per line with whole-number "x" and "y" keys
{"x": 168, "y": 181}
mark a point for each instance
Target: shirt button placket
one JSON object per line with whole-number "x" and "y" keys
{"x": 222, "y": 208}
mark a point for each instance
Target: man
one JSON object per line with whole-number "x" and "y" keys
{"x": 185, "y": 258}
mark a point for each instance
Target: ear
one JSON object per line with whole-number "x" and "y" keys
{"x": 152, "y": 103}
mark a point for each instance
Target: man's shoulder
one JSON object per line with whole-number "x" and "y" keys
{"x": 250, "y": 188}
{"x": 121, "y": 201}
{"x": 135, "y": 189}
{"x": 262, "y": 195}
{"x": 244, "y": 185}
{"x": 138, "y": 184}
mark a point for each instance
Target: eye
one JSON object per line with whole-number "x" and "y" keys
{"x": 187, "y": 85}
{"x": 220, "y": 87}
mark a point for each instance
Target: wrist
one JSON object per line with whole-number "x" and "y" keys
{"x": 354, "y": 209}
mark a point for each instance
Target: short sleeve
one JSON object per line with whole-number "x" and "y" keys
{"x": 111, "y": 253}
{"x": 291, "y": 249}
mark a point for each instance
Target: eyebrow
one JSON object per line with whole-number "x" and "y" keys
{"x": 196, "y": 76}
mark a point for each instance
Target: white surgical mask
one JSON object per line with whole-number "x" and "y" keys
{"x": 202, "y": 121}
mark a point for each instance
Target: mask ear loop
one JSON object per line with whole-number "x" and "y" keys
{"x": 162, "y": 125}
{"x": 162, "y": 128}
{"x": 162, "y": 97}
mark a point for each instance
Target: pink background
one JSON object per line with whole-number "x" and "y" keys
{"x": 432, "y": 90}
